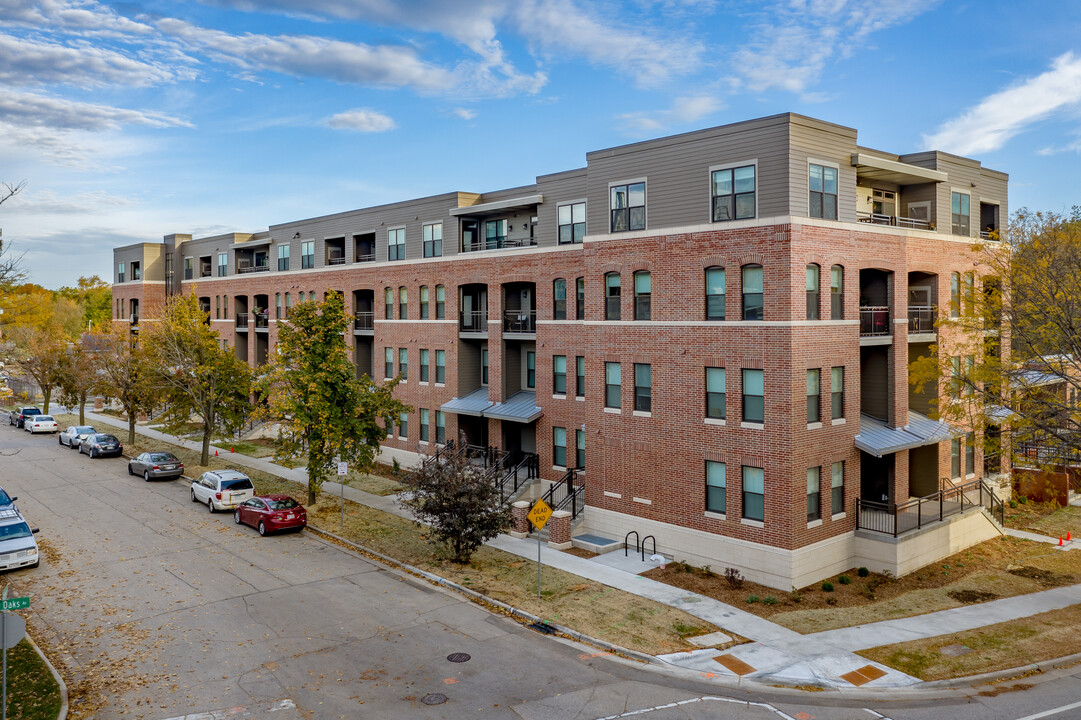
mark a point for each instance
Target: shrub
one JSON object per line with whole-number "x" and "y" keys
{"x": 844, "y": 580}
{"x": 796, "y": 597}
{"x": 707, "y": 571}
{"x": 752, "y": 599}
{"x": 827, "y": 587}
{"x": 831, "y": 600}
{"x": 733, "y": 577}
{"x": 1023, "y": 500}
{"x": 1013, "y": 504}
{"x": 863, "y": 572}
{"x": 769, "y": 600}
{"x": 685, "y": 567}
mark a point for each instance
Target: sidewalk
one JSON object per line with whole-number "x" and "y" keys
{"x": 776, "y": 654}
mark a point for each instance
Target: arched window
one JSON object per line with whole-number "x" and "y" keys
{"x": 715, "y": 293}
{"x": 388, "y": 303}
{"x": 611, "y": 296}
{"x": 559, "y": 299}
{"x": 812, "y": 291}
{"x": 955, "y": 294}
{"x": 643, "y": 292}
{"x": 752, "y": 292}
{"x": 403, "y": 303}
{"x": 837, "y": 292}
{"x": 423, "y": 302}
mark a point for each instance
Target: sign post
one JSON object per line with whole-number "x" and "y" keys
{"x": 343, "y": 469}
{"x": 539, "y": 516}
{"x": 12, "y": 630}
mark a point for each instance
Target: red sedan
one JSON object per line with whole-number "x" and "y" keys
{"x": 270, "y": 513}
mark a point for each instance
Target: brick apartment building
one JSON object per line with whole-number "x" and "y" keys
{"x": 708, "y": 334}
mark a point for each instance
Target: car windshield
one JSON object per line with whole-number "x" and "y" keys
{"x": 107, "y": 438}
{"x": 238, "y": 484}
{"x": 12, "y": 532}
{"x": 5, "y": 499}
{"x": 44, "y": 418}
{"x": 283, "y": 504}
{"x": 163, "y": 457}
{"x": 86, "y": 430}
{"x": 31, "y": 411}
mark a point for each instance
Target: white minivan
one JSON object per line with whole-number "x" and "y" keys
{"x": 18, "y": 548}
{"x": 221, "y": 489}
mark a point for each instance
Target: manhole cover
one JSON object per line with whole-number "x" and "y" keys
{"x": 434, "y": 699}
{"x": 458, "y": 657}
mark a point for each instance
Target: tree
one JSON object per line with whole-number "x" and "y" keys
{"x": 79, "y": 374}
{"x": 94, "y": 297}
{"x": 42, "y": 359}
{"x": 311, "y": 389}
{"x": 11, "y": 270}
{"x": 124, "y": 375}
{"x": 194, "y": 375}
{"x": 461, "y": 508}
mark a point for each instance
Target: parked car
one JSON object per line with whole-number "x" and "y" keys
{"x": 74, "y": 435}
{"x": 17, "y": 545}
{"x": 40, "y": 423}
{"x": 270, "y": 513}
{"x": 222, "y": 489}
{"x": 6, "y": 501}
{"x": 157, "y": 465}
{"x": 100, "y": 445}
{"x": 18, "y": 415}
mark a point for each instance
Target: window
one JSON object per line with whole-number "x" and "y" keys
{"x": 837, "y": 488}
{"x": 388, "y": 303}
{"x": 223, "y": 264}
{"x": 823, "y": 187}
{"x": 495, "y": 234}
{"x": 968, "y": 296}
{"x": 628, "y": 207}
{"x": 433, "y": 240}
{"x": 970, "y": 370}
{"x": 307, "y": 254}
{"x": 580, "y": 449}
{"x": 959, "y": 214}
{"x": 837, "y": 293}
{"x": 403, "y": 363}
{"x": 559, "y": 374}
{"x": 580, "y": 299}
{"x": 733, "y": 193}
{"x": 752, "y": 292}
{"x": 135, "y": 272}
{"x": 120, "y": 268}
{"x": 277, "y": 306}
{"x": 580, "y": 376}
{"x": 715, "y": 293}
{"x": 423, "y": 302}
{"x": 189, "y": 268}
{"x": 613, "y": 378}
{"x": 716, "y": 486}
{"x": 611, "y": 296}
{"x": 955, "y": 294}
{"x": 970, "y": 453}
{"x": 388, "y": 363}
{"x": 403, "y": 425}
{"x": 559, "y": 299}
{"x": 440, "y": 302}
{"x": 424, "y": 366}
{"x": 812, "y": 292}
{"x": 440, "y": 366}
{"x": 440, "y": 427}
{"x": 559, "y": 446}
{"x": 837, "y": 392}
{"x": 715, "y": 381}
{"x": 572, "y": 223}
{"x": 403, "y": 303}
{"x": 643, "y": 287}
{"x": 283, "y": 257}
{"x": 814, "y": 396}
{"x": 530, "y": 369}
{"x": 288, "y": 304}
{"x": 484, "y": 366}
{"x": 643, "y": 387}
{"x": 814, "y": 494}
{"x": 754, "y": 392}
{"x": 217, "y": 307}
{"x": 955, "y": 458}
{"x": 396, "y": 244}
{"x": 311, "y": 296}
{"x": 423, "y": 424}
{"x": 956, "y": 381}
{"x": 754, "y": 493}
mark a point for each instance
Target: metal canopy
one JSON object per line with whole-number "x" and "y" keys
{"x": 512, "y": 203}
{"x": 878, "y": 439}
{"x": 475, "y": 403}
{"x": 875, "y": 168}
{"x": 520, "y": 407}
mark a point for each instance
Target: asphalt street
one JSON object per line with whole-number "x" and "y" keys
{"x": 154, "y": 608}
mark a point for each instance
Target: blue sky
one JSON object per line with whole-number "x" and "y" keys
{"x": 134, "y": 120}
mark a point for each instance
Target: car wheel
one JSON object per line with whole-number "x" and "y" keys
{"x": 92, "y": 455}
{"x": 193, "y": 495}
{"x": 146, "y": 475}
{"x": 130, "y": 471}
{"x": 210, "y": 504}
{"x": 36, "y": 563}
{"x": 262, "y": 528}
{"x": 60, "y": 440}
{"x": 236, "y": 516}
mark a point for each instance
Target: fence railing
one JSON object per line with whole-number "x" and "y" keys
{"x": 567, "y": 494}
{"x": 874, "y": 321}
{"x": 892, "y": 220}
{"x": 517, "y": 476}
{"x": 364, "y": 320}
{"x": 921, "y": 318}
{"x": 498, "y": 244}
{"x": 520, "y": 321}
{"x": 365, "y": 257}
{"x": 262, "y": 321}
{"x": 244, "y": 269}
{"x": 473, "y": 321}
{"x": 242, "y": 321}
{"x": 899, "y": 518}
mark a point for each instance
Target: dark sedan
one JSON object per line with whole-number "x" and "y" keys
{"x": 270, "y": 513}
{"x": 18, "y": 415}
{"x": 156, "y": 465}
{"x": 100, "y": 445}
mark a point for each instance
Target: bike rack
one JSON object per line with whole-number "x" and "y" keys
{"x": 648, "y": 537}
{"x": 627, "y": 545}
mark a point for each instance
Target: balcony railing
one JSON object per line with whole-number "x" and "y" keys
{"x": 499, "y": 244}
{"x": 874, "y": 321}
{"x": 336, "y": 260}
{"x": 921, "y": 318}
{"x": 262, "y": 321}
{"x": 520, "y": 321}
{"x": 892, "y": 220}
{"x": 364, "y": 320}
{"x": 897, "y": 519}
{"x": 366, "y": 257}
{"x": 242, "y": 321}
{"x": 242, "y": 269}
{"x": 474, "y": 321}
{"x": 134, "y": 319}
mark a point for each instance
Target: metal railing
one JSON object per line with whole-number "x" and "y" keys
{"x": 488, "y": 455}
{"x": 473, "y": 321}
{"x": 253, "y": 268}
{"x": 921, "y": 318}
{"x": 874, "y": 321}
{"x": 336, "y": 260}
{"x": 516, "y": 477}
{"x": 567, "y": 494}
{"x": 498, "y": 244}
{"x": 898, "y": 519}
{"x": 520, "y": 321}
{"x": 364, "y": 320}
{"x": 242, "y": 321}
{"x": 1046, "y": 454}
{"x": 135, "y": 318}
{"x": 365, "y": 257}
{"x": 444, "y": 452}
{"x": 262, "y": 321}
{"x": 892, "y": 220}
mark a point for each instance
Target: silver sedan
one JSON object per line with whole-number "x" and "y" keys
{"x": 156, "y": 466}
{"x": 74, "y": 435}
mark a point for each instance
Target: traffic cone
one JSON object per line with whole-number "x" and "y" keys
{"x": 215, "y": 453}
{"x": 1068, "y": 538}
{"x": 231, "y": 449}
{"x": 1060, "y": 541}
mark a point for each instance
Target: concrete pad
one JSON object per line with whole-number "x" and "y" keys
{"x": 631, "y": 563}
{"x": 715, "y": 638}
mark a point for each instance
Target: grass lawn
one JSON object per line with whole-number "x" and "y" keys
{"x": 32, "y": 691}
{"x": 1003, "y": 646}
{"x": 1045, "y": 518}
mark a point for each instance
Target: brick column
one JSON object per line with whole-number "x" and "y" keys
{"x": 559, "y": 530}
{"x": 519, "y": 521}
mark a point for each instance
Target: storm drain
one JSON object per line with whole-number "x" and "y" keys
{"x": 458, "y": 657}
{"x": 542, "y": 627}
{"x": 434, "y": 699}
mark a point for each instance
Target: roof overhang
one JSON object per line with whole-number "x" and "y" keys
{"x": 510, "y": 204}
{"x": 520, "y": 407}
{"x": 475, "y": 403}
{"x": 875, "y": 168}
{"x": 879, "y": 439}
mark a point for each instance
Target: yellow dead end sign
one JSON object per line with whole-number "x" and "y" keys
{"x": 540, "y": 514}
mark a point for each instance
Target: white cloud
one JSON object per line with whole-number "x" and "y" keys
{"x": 32, "y": 63}
{"x": 999, "y": 117}
{"x": 84, "y": 17}
{"x": 684, "y": 110}
{"x": 361, "y": 120}
{"x": 47, "y": 202}
{"x": 463, "y": 113}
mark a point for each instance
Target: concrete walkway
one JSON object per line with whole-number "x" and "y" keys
{"x": 776, "y": 654}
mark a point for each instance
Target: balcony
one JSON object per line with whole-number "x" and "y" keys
{"x": 242, "y": 322}
{"x": 874, "y": 321}
{"x": 520, "y": 321}
{"x": 336, "y": 259}
{"x": 921, "y": 319}
{"x": 243, "y": 268}
{"x": 474, "y": 321}
{"x": 892, "y": 220}
{"x": 364, "y": 322}
{"x": 498, "y": 243}
{"x": 262, "y": 320}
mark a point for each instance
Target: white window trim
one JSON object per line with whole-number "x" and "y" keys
{"x": 752, "y": 425}
{"x": 807, "y": 198}
{"x": 585, "y": 202}
{"x": 579, "y": 398}
{"x": 752, "y": 523}
{"x": 615, "y": 495}
{"x": 709, "y": 189}
{"x": 838, "y": 421}
{"x": 838, "y": 516}
{"x": 716, "y": 515}
{"x": 642, "y": 501}
{"x": 814, "y": 426}
{"x": 613, "y": 411}
{"x": 641, "y": 413}
{"x": 715, "y": 421}
{"x": 559, "y": 397}
{"x": 441, "y": 253}
{"x": 814, "y": 523}
{"x": 405, "y": 241}
{"x": 608, "y": 220}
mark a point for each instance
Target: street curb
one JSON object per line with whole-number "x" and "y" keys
{"x": 1019, "y": 671}
{"x": 509, "y": 609}
{"x": 59, "y": 680}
